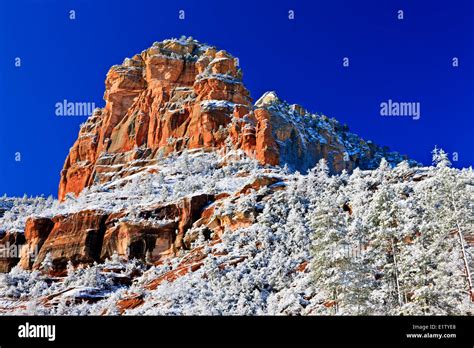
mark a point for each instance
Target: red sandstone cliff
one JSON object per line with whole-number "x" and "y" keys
{"x": 180, "y": 94}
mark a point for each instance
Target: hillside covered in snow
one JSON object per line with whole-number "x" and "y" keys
{"x": 389, "y": 241}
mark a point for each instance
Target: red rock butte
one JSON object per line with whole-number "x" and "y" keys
{"x": 181, "y": 94}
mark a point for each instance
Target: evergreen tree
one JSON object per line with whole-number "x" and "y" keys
{"x": 330, "y": 263}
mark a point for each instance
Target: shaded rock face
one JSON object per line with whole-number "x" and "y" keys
{"x": 181, "y": 94}
{"x": 133, "y": 240}
{"x": 36, "y": 232}
{"x": 160, "y": 233}
{"x": 11, "y": 246}
{"x": 300, "y": 139}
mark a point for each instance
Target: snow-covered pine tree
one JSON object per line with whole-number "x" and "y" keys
{"x": 328, "y": 261}
{"x": 362, "y": 281}
{"x": 331, "y": 265}
{"x": 382, "y": 218}
{"x": 47, "y": 263}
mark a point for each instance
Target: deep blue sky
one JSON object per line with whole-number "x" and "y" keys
{"x": 407, "y": 60}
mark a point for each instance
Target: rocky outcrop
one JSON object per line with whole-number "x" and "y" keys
{"x": 181, "y": 94}
{"x": 150, "y": 234}
{"x": 76, "y": 237}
